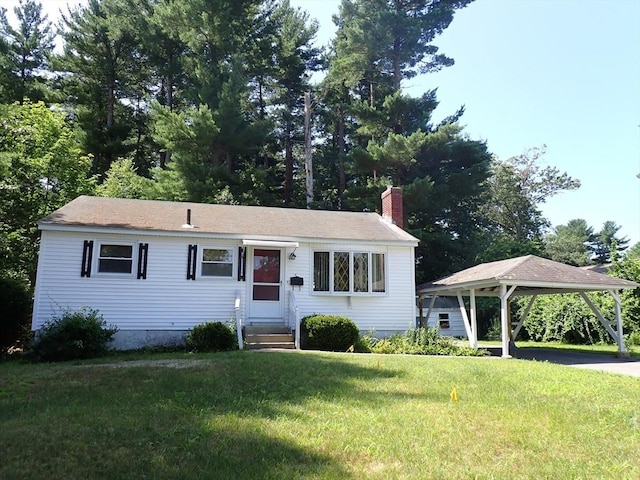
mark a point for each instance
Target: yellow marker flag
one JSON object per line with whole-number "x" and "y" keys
{"x": 378, "y": 365}
{"x": 454, "y": 395}
{"x": 351, "y": 349}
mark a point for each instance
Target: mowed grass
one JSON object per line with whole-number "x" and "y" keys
{"x": 280, "y": 415}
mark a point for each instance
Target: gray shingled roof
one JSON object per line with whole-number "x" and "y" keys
{"x": 530, "y": 273}
{"x": 224, "y": 220}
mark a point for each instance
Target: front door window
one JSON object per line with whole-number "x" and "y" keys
{"x": 266, "y": 275}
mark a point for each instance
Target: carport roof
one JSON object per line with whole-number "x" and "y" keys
{"x": 530, "y": 275}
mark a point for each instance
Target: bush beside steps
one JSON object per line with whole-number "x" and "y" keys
{"x": 72, "y": 335}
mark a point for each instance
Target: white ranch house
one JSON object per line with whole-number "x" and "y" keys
{"x": 155, "y": 269}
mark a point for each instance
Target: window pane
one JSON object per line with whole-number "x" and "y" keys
{"x": 266, "y": 266}
{"x": 114, "y": 266}
{"x": 117, "y": 251}
{"x": 217, "y": 269}
{"x": 217, "y": 262}
{"x": 115, "y": 258}
{"x": 266, "y": 292}
{"x": 378, "y": 275}
{"x": 341, "y": 272}
{"x": 216, "y": 255}
{"x": 360, "y": 272}
{"x": 321, "y": 271}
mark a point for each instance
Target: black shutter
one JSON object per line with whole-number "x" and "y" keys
{"x": 191, "y": 262}
{"x": 242, "y": 260}
{"x": 87, "y": 257}
{"x": 143, "y": 252}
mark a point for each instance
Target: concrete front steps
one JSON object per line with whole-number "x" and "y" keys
{"x": 268, "y": 336}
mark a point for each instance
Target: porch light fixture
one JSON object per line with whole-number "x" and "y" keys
{"x": 292, "y": 255}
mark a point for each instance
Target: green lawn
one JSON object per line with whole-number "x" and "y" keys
{"x": 247, "y": 415}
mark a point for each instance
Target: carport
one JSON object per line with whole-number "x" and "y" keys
{"x": 524, "y": 276}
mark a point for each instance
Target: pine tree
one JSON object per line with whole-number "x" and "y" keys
{"x": 25, "y": 53}
{"x": 100, "y": 77}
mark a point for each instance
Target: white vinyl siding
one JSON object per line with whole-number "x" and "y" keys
{"x": 440, "y": 318}
{"x": 165, "y": 300}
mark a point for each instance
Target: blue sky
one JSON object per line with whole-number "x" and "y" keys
{"x": 563, "y": 73}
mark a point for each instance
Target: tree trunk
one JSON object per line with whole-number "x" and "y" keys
{"x": 397, "y": 74}
{"x": 165, "y": 157}
{"x": 371, "y": 95}
{"x": 110, "y": 103}
{"x": 342, "y": 178}
{"x": 307, "y": 148}
{"x": 288, "y": 161}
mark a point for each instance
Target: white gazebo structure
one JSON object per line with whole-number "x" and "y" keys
{"x": 524, "y": 276}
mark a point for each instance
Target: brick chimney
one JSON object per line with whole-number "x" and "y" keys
{"x": 392, "y": 209}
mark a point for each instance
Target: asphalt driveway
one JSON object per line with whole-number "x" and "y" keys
{"x": 593, "y": 361}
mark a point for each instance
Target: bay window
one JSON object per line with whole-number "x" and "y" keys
{"x": 349, "y": 272}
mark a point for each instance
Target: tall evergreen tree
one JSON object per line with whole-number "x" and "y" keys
{"x": 220, "y": 38}
{"x": 100, "y": 77}
{"x": 570, "y": 243}
{"x": 295, "y": 59}
{"x": 25, "y": 53}
{"x": 380, "y": 136}
{"x": 606, "y": 244}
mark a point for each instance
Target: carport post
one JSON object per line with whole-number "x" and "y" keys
{"x": 504, "y": 318}
{"x": 474, "y": 321}
{"x": 622, "y": 350}
{"x": 431, "y": 304}
{"x": 504, "y": 322}
{"x": 465, "y": 318}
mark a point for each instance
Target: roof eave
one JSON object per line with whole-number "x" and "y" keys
{"x": 489, "y": 288}
{"x": 193, "y": 232}
{"x": 586, "y": 287}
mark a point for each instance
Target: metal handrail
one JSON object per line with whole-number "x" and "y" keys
{"x": 294, "y": 319}
{"x": 238, "y": 320}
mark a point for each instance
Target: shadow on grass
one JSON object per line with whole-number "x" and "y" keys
{"x": 572, "y": 356}
{"x": 213, "y": 420}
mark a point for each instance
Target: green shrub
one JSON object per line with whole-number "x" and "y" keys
{"x": 211, "y": 337}
{"x": 567, "y": 318}
{"x": 15, "y": 305}
{"x": 632, "y": 339}
{"x": 328, "y": 332}
{"x": 72, "y": 335}
{"x": 365, "y": 343}
{"x": 423, "y": 341}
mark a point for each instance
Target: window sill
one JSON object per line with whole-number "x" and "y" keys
{"x": 350, "y": 294}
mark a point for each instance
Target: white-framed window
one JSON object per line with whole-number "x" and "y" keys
{"x": 216, "y": 262}
{"x": 349, "y": 272}
{"x": 115, "y": 257}
{"x": 443, "y": 320}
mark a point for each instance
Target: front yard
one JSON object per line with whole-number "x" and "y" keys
{"x": 256, "y": 415}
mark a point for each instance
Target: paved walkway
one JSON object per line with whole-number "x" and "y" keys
{"x": 593, "y": 361}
